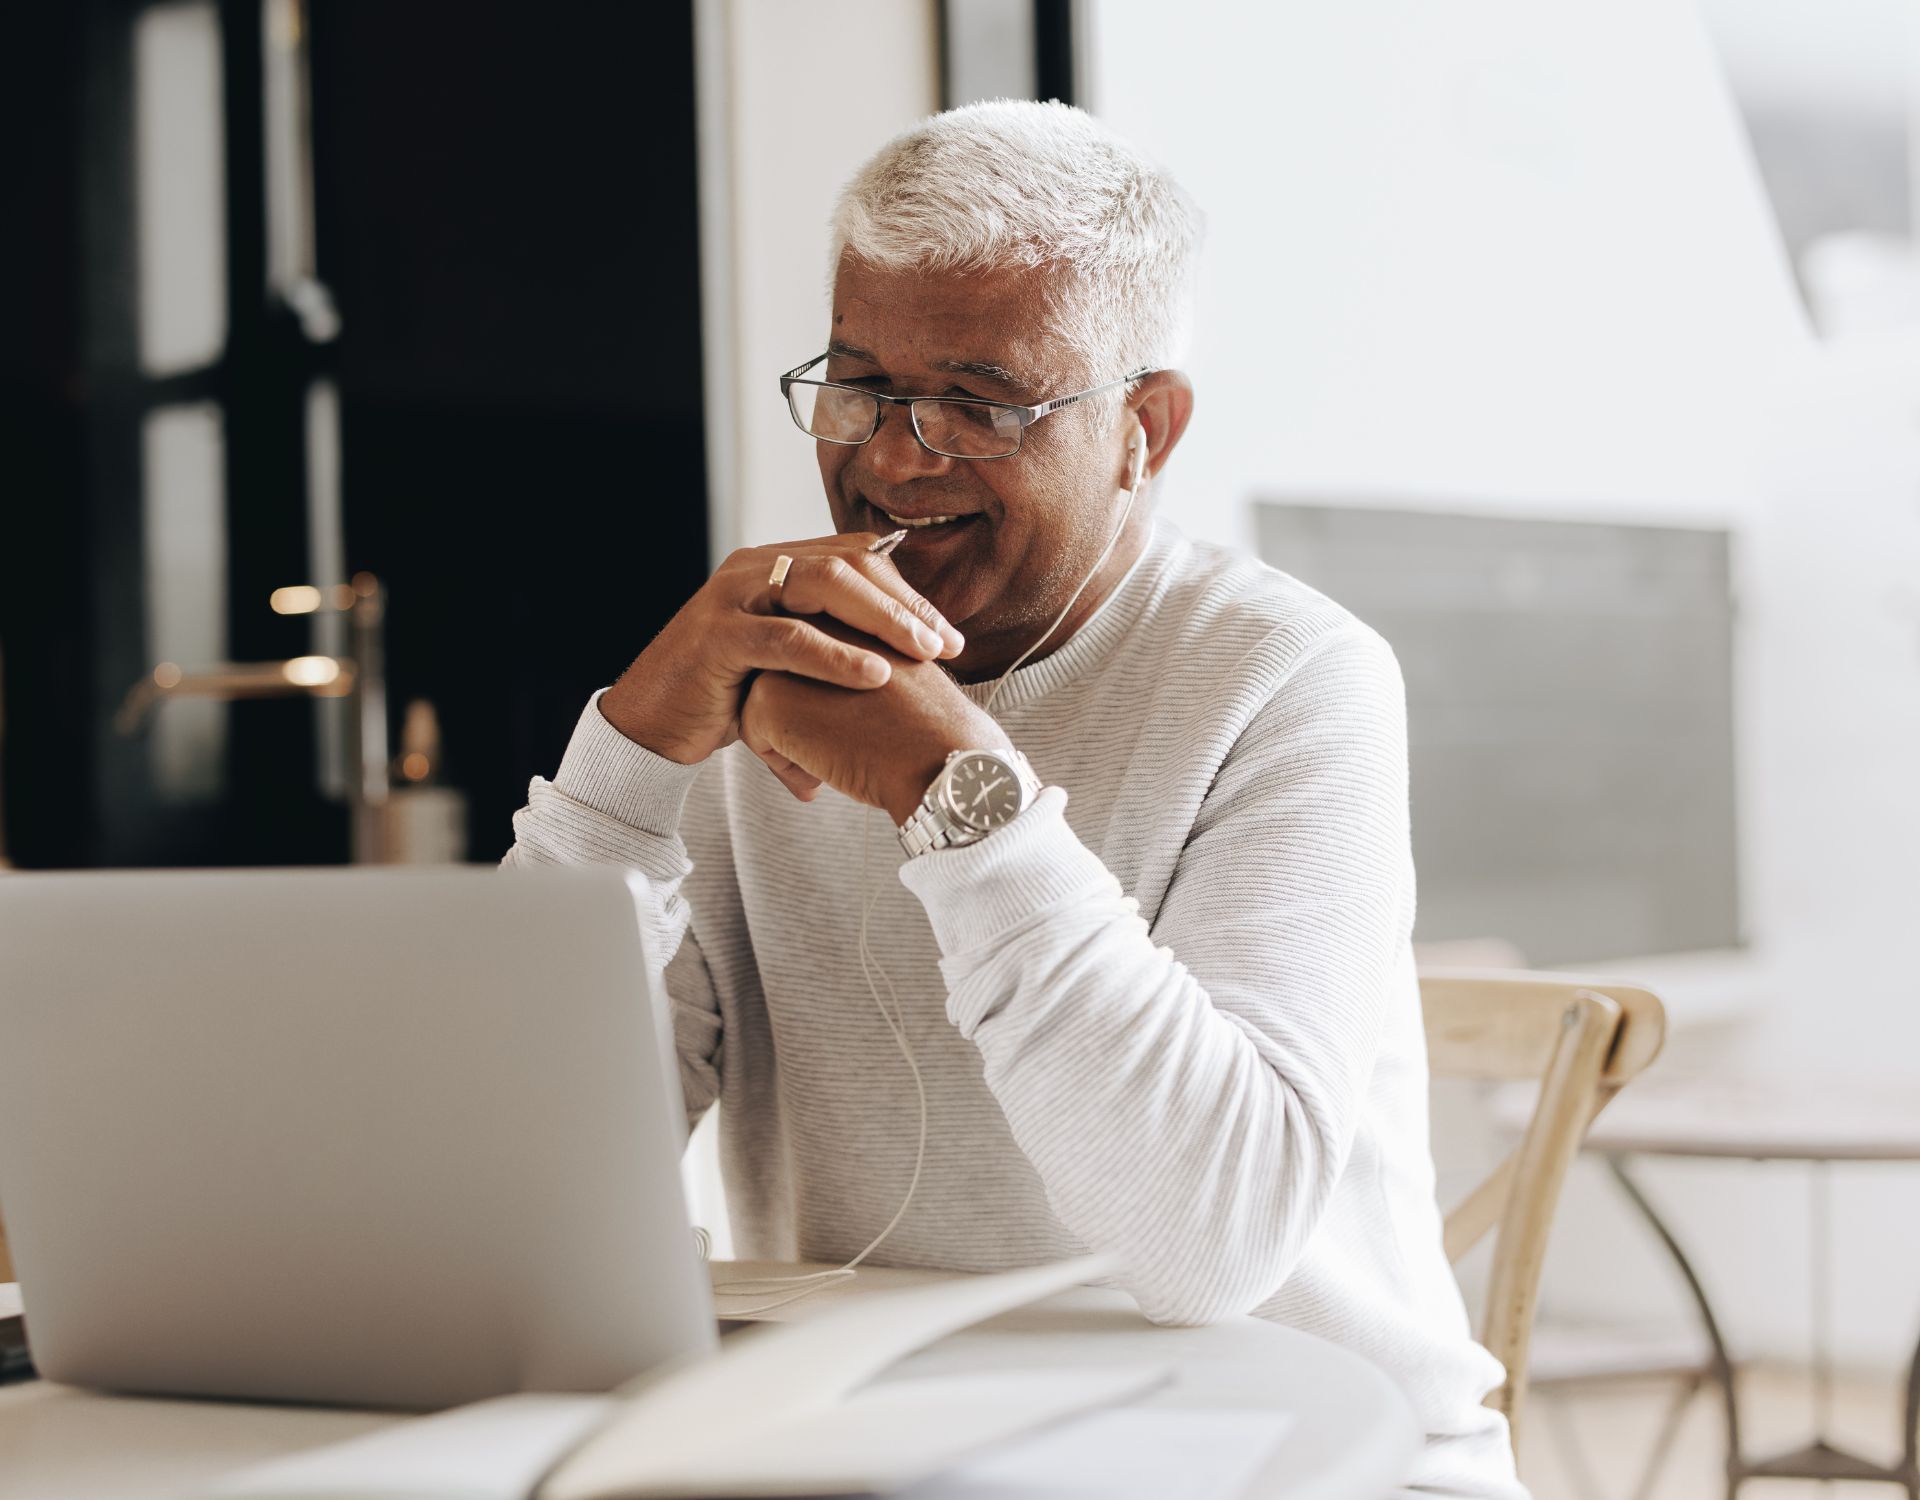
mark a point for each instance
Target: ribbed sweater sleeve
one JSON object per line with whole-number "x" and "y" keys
{"x": 1189, "y": 1095}
{"x": 614, "y": 802}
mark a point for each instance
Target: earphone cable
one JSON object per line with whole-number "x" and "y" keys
{"x": 896, "y": 1023}
{"x": 895, "y": 1020}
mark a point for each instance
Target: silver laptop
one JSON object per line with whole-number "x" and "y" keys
{"x": 368, "y": 1137}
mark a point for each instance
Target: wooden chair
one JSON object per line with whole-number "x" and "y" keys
{"x": 1581, "y": 1040}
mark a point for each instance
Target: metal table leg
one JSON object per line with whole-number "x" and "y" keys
{"x": 1820, "y": 1459}
{"x": 1910, "y": 1435}
{"x": 1723, "y": 1372}
{"x": 1819, "y": 1244}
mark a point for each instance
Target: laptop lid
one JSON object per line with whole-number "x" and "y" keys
{"x": 371, "y": 1137}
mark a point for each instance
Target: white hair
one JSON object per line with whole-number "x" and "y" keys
{"x": 1014, "y": 184}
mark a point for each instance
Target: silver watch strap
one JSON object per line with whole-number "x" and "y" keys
{"x": 927, "y": 826}
{"x": 922, "y": 831}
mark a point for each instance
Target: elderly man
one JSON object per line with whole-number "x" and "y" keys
{"x": 1148, "y": 944}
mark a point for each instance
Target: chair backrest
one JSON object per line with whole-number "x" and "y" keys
{"x": 1581, "y": 1039}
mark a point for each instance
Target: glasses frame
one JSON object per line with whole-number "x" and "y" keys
{"x": 1026, "y": 415}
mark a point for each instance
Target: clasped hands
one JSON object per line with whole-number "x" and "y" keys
{"x": 842, "y": 688}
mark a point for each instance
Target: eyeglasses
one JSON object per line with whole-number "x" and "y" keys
{"x": 951, "y": 426}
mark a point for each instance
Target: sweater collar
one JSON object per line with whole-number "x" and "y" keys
{"x": 1117, "y": 614}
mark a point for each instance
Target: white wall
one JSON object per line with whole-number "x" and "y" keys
{"x": 1512, "y": 258}
{"x": 796, "y": 97}
{"x": 1489, "y": 251}
{"x": 793, "y": 97}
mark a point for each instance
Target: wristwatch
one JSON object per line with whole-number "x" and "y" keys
{"x": 976, "y": 792}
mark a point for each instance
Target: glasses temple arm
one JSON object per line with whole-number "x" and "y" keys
{"x": 798, "y": 370}
{"x": 1045, "y": 408}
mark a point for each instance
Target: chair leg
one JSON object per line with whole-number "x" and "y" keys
{"x": 1669, "y": 1430}
{"x": 1723, "y": 1372}
{"x": 1573, "y": 1454}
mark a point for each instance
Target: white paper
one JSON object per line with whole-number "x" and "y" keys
{"x": 491, "y": 1450}
{"x": 784, "y": 1410}
{"x": 877, "y": 1440}
{"x": 1136, "y": 1453}
{"x": 702, "y": 1417}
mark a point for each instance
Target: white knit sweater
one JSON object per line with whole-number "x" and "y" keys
{"x": 1169, "y": 1013}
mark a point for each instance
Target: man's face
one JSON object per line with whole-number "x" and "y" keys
{"x": 1030, "y": 526}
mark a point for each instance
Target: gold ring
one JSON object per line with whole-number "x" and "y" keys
{"x": 777, "y": 584}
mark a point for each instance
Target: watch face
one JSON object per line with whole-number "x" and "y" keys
{"x": 982, "y": 792}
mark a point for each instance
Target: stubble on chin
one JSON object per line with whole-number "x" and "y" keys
{"x": 1025, "y": 595}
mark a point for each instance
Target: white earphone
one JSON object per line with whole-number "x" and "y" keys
{"x": 1137, "y": 452}
{"x": 894, "y": 1018}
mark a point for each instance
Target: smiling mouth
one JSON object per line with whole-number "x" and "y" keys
{"x": 921, "y": 530}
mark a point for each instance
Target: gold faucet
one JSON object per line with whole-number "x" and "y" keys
{"x": 318, "y": 676}
{"x": 359, "y": 678}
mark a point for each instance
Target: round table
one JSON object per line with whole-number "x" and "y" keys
{"x": 1761, "y": 1119}
{"x": 1353, "y": 1435}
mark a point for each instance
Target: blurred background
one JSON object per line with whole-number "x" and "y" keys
{"x": 377, "y": 379}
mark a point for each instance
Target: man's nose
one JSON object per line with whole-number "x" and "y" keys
{"x": 896, "y": 455}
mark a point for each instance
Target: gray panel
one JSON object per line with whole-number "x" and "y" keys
{"x": 1570, "y": 717}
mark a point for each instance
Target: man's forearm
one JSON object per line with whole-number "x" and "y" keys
{"x": 1196, "y": 1148}
{"x": 1190, "y": 1095}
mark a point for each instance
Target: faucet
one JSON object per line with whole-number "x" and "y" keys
{"x": 359, "y": 678}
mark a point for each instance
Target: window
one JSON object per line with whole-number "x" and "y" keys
{"x": 1570, "y": 719}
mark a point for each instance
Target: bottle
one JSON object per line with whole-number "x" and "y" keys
{"x": 426, "y": 823}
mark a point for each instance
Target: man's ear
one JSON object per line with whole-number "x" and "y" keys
{"x": 1163, "y": 405}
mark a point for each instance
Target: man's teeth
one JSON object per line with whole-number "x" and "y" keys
{"x": 922, "y": 521}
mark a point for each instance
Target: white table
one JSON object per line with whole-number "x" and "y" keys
{"x": 1782, "y": 1119}
{"x": 1353, "y": 1436}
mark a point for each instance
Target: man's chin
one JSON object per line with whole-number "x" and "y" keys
{"x": 956, "y": 588}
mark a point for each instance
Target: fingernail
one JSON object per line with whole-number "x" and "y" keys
{"x": 928, "y": 641}
{"x": 876, "y": 670}
{"x": 957, "y": 644}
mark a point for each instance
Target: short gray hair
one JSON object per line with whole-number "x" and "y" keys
{"x": 1012, "y": 184}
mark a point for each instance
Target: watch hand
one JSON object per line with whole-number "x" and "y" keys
{"x": 981, "y": 795}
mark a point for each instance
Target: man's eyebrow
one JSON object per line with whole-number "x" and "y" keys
{"x": 984, "y": 370}
{"x": 978, "y": 368}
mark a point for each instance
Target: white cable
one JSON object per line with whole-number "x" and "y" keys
{"x": 896, "y": 1023}
{"x": 1139, "y": 469}
{"x": 895, "y": 1019}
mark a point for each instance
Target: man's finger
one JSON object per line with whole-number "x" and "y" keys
{"x": 827, "y": 583}
{"x": 750, "y": 568}
{"x": 797, "y": 781}
{"x": 776, "y": 643}
{"x": 883, "y": 574}
{"x": 801, "y": 783}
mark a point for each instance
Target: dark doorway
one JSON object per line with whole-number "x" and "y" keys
{"x": 501, "y": 310}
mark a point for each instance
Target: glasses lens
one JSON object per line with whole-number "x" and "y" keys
{"x": 962, "y": 429}
{"x": 830, "y": 412}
